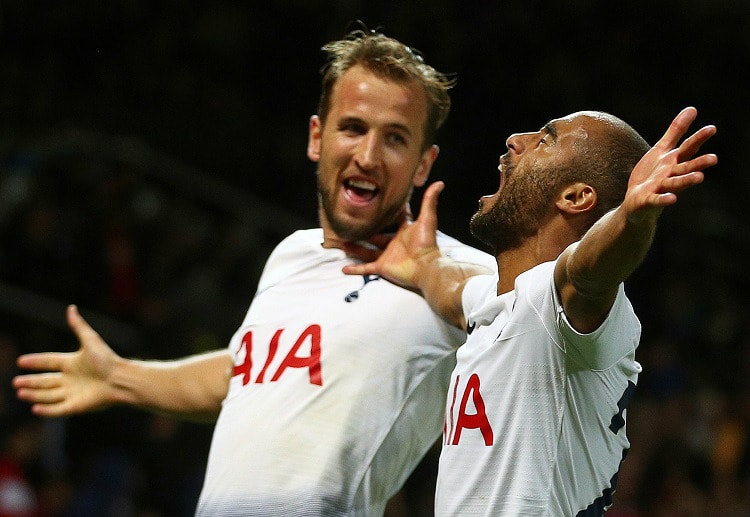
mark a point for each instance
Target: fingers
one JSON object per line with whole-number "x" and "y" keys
{"x": 676, "y": 184}
{"x": 368, "y": 268}
{"x": 37, "y": 381}
{"x": 50, "y": 394}
{"x": 687, "y": 171}
{"x": 677, "y": 128}
{"x": 54, "y": 409}
{"x": 44, "y": 391}
{"x": 42, "y": 396}
{"x": 48, "y": 361}
{"x": 700, "y": 163}
{"x": 46, "y": 411}
{"x": 683, "y": 176}
{"x": 40, "y": 390}
{"x": 692, "y": 144}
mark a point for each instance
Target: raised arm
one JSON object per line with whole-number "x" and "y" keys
{"x": 95, "y": 377}
{"x": 412, "y": 259}
{"x": 588, "y": 274}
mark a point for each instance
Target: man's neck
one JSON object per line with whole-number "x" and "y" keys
{"x": 532, "y": 252}
{"x": 332, "y": 240}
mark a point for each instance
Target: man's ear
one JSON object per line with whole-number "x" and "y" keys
{"x": 313, "y": 138}
{"x": 425, "y": 166}
{"x": 576, "y": 198}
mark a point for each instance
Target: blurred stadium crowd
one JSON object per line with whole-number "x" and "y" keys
{"x": 162, "y": 252}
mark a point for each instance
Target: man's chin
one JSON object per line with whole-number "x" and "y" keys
{"x": 352, "y": 231}
{"x": 362, "y": 224}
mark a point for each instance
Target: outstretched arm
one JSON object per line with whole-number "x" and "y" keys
{"x": 588, "y": 274}
{"x": 412, "y": 259}
{"x": 95, "y": 377}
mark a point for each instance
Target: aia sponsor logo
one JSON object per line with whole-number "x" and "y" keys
{"x": 296, "y": 357}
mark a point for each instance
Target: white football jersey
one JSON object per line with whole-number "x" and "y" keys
{"x": 338, "y": 389}
{"x": 535, "y": 413}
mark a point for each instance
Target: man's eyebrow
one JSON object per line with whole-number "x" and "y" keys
{"x": 400, "y": 127}
{"x": 550, "y": 129}
{"x": 353, "y": 119}
{"x": 349, "y": 119}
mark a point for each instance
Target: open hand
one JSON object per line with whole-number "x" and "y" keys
{"x": 668, "y": 168}
{"x": 72, "y": 382}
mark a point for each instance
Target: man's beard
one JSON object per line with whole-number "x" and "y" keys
{"x": 518, "y": 212}
{"x": 359, "y": 230}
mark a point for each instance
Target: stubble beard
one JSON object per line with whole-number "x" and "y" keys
{"x": 517, "y": 213}
{"x": 359, "y": 230}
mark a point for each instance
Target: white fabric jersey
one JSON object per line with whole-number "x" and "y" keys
{"x": 535, "y": 413}
{"x": 337, "y": 393}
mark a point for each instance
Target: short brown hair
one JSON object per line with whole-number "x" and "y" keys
{"x": 387, "y": 57}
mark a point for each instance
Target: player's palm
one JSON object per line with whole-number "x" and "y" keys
{"x": 398, "y": 262}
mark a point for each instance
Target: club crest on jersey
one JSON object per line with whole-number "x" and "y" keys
{"x": 354, "y": 295}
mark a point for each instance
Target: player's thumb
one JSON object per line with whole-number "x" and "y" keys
{"x": 428, "y": 211}
{"x": 77, "y": 324}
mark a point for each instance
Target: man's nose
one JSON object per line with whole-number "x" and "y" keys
{"x": 369, "y": 152}
{"x": 516, "y": 143}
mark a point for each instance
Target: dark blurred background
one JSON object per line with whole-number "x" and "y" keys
{"x": 153, "y": 153}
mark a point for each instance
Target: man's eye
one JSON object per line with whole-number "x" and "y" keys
{"x": 397, "y": 138}
{"x": 352, "y": 128}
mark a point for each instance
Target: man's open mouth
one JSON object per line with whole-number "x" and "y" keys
{"x": 360, "y": 189}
